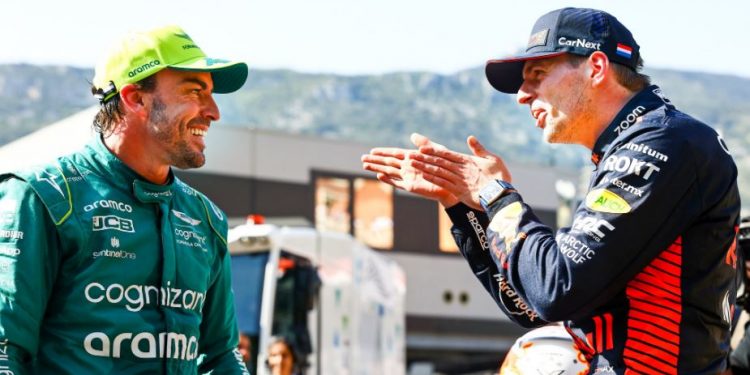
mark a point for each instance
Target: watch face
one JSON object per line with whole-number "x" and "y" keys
{"x": 494, "y": 191}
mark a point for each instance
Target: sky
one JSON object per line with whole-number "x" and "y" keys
{"x": 368, "y": 36}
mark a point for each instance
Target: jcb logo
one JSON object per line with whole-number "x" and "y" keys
{"x": 113, "y": 222}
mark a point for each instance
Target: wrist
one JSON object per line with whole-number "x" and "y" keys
{"x": 493, "y": 191}
{"x": 448, "y": 201}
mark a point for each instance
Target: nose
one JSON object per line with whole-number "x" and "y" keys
{"x": 210, "y": 109}
{"x": 525, "y": 93}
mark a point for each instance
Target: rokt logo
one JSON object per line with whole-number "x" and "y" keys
{"x": 630, "y": 166}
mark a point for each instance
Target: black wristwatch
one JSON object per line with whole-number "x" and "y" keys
{"x": 494, "y": 191}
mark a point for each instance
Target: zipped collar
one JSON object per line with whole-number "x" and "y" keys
{"x": 643, "y": 102}
{"x": 106, "y": 164}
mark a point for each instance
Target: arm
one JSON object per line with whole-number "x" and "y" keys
{"x": 219, "y": 332}
{"x": 29, "y": 259}
{"x": 393, "y": 166}
{"x": 638, "y": 206}
{"x": 470, "y": 233}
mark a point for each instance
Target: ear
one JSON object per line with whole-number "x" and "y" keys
{"x": 133, "y": 100}
{"x": 598, "y": 64}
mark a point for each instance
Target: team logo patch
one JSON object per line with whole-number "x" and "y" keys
{"x": 603, "y": 200}
{"x": 184, "y": 217}
{"x": 539, "y": 38}
{"x": 505, "y": 226}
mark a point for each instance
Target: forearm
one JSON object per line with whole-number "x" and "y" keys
{"x": 230, "y": 363}
{"x": 469, "y": 232}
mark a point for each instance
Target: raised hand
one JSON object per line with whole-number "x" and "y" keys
{"x": 391, "y": 166}
{"x": 460, "y": 174}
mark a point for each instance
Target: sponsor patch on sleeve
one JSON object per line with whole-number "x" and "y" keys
{"x": 505, "y": 226}
{"x": 603, "y": 200}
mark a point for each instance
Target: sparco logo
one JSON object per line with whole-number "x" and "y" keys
{"x": 478, "y": 230}
{"x": 119, "y": 206}
{"x": 579, "y": 43}
{"x": 143, "y": 345}
{"x": 143, "y": 68}
{"x": 630, "y": 119}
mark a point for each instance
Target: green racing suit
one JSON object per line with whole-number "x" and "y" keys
{"x": 102, "y": 272}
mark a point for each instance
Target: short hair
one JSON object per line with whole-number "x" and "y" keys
{"x": 633, "y": 80}
{"x": 110, "y": 111}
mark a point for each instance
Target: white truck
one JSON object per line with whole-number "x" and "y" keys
{"x": 341, "y": 302}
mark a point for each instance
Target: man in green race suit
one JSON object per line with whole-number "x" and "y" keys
{"x": 109, "y": 264}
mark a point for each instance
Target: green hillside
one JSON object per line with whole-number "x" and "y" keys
{"x": 384, "y": 109}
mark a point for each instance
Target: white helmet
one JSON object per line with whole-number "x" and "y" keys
{"x": 547, "y": 350}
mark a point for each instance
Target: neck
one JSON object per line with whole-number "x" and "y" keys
{"x": 133, "y": 154}
{"x": 609, "y": 106}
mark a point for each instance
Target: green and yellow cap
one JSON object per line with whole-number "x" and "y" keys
{"x": 141, "y": 54}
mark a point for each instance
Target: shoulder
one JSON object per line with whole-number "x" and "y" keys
{"x": 48, "y": 183}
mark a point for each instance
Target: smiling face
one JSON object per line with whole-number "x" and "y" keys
{"x": 556, "y": 91}
{"x": 182, "y": 109}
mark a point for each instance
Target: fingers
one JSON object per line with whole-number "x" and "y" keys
{"x": 437, "y": 166}
{"x": 398, "y": 153}
{"x": 380, "y": 160}
{"x": 444, "y": 153}
{"x": 382, "y": 169}
{"x": 419, "y": 140}
{"x": 390, "y": 181}
{"x": 476, "y": 147}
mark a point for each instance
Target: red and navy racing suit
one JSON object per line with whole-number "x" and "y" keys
{"x": 644, "y": 278}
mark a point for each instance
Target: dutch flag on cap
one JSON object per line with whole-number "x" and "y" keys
{"x": 624, "y": 50}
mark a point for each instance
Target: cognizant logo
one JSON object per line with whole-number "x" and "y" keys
{"x": 143, "y": 68}
{"x": 143, "y": 345}
{"x": 137, "y": 296}
{"x": 188, "y": 234}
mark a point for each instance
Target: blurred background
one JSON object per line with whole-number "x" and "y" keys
{"x": 331, "y": 79}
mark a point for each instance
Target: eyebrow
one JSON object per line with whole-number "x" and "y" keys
{"x": 197, "y": 81}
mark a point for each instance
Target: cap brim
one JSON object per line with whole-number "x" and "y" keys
{"x": 506, "y": 75}
{"x": 228, "y": 76}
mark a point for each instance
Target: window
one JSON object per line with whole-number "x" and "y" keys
{"x": 361, "y": 207}
{"x": 332, "y": 198}
{"x": 373, "y": 213}
{"x": 447, "y": 244}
